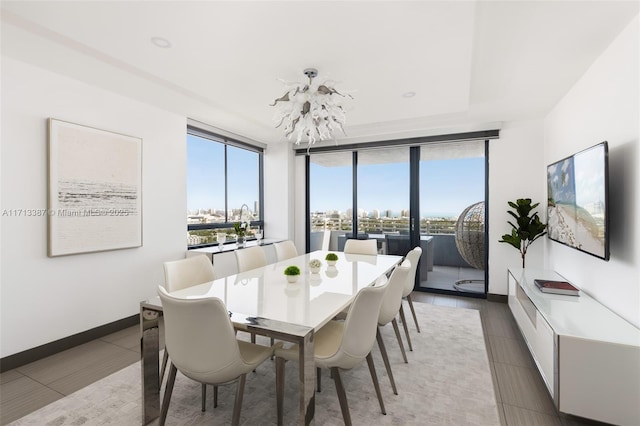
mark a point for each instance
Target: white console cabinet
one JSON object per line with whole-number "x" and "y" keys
{"x": 588, "y": 356}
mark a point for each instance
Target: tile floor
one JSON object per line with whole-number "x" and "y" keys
{"x": 521, "y": 395}
{"x": 444, "y": 278}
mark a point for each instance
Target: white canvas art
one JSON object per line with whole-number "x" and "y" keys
{"x": 95, "y": 183}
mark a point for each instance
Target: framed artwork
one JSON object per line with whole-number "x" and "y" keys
{"x": 95, "y": 190}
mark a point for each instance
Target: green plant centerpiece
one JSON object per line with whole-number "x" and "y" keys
{"x": 529, "y": 226}
{"x": 331, "y": 259}
{"x": 292, "y": 272}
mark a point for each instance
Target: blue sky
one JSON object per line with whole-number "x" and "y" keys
{"x": 446, "y": 186}
{"x": 205, "y": 175}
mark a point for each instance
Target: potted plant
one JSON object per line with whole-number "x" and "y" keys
{"x": 314, "y": 266}
{"x": 529, "y": 227}
{"x": 241, "y": 229}
{"x": 292, "y": 272}
{"x": 331, "y": 259}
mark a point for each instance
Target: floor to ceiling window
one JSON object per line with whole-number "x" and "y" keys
{"x": 405, "y": 195}
{"x": 224, "y": 186}
{"x": 452, "y": 195}
{"x": 330, "y": 193}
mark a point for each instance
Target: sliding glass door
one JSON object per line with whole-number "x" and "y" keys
{"x": 452, "y": 216}
{"x": 330, "y": 197}
{"x": 429, "y": 195}
{"x": 383, "y": 198}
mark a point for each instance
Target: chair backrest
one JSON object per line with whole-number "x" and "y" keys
{"x": 398, "y": 244}
{"x": 285, "y": 250}
{"x": 393, "y": 299}
{"x": 361, "y": 247}
{"x": 200, "y": 338}
{"x": 360, "y": 327}
{"x": 250, "y": 258}
{"x": 326, "y": 238}
{"x": 179, "y": 274}
{"x": 413, "y": 257}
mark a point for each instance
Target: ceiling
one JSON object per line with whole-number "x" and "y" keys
{"x": 472, "y": 65}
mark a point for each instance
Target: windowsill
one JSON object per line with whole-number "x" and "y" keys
{"x": 234, "y": 246}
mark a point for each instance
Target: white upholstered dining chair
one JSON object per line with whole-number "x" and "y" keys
{"x": 354, "y": 246}
{"x": 183, "y": 273}
{"x": 202, "y": 344}
{"x": 250, "y": 258}
{"x": 413, "y": 257}
{"x": 285, "y": 250}
{"x": 388, "y": 312}
{"x": 341, "y": 346}
{"x": 179, "y": 274}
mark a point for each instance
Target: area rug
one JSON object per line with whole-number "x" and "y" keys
{"x": 446, "y": 382}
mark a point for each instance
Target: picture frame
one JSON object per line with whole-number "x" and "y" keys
{"x": 95, "y": 189}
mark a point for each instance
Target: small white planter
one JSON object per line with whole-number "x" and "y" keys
{"x": 314, "y": 270}
{"x": 331, "y": 262}
{"x": 292, "y": 279}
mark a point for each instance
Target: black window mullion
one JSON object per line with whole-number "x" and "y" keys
{"x": 414, "y": 196}
{"x": 354, "y": 207}
{"x": 307, "y": 202}
{"x": 226, "y": 201}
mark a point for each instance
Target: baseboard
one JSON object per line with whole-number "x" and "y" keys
{"x": 501, "y": 298}
{"x": 30, "y": 355}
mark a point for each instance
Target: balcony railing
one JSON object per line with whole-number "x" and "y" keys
{"x": 384, "y": 225}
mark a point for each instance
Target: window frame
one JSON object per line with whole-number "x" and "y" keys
{"x": 226, "y": 142}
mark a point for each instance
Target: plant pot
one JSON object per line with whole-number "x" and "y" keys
{"x": 292, "y": 279}
{"x": 331, "y": 262}
{"x": 314, "y": 270}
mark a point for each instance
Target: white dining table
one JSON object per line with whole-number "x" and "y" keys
{"x": 262, "y": 301}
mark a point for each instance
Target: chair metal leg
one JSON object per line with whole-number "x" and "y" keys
{"x": 279, "y": 387}
{"x": 406, "y": 329}
{"x": 376, "y": 385}
{"x": 238, "y": 404}
{"x": 413, "y": 311}
{"x": 215, "y": 396}
{"x": 273, "y": 341}
{"x": 253, "y": 337}
{"x": 165, "y": 358}
{"x": 385, "y": 358}
{"x": 318, "y": 378}
{"x": 342, "y": 396}
{"x": 168, "y": 390}
{"x": 204, "y": 397}
{"x": 397, "y": 330}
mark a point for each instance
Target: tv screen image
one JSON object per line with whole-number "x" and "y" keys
{"x": 577, "y": 189}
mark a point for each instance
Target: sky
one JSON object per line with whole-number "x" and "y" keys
{"x": 446, "y": 186}
{"x": 205, "y": 175}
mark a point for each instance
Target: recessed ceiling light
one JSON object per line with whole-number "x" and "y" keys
{"x": 160, "y": 42}
{"x": 409, "y": 94}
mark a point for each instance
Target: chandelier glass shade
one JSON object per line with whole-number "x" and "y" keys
{"x": 310, "y": 111}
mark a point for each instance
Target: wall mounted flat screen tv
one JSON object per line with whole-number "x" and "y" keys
{"x": 577, "y": 201}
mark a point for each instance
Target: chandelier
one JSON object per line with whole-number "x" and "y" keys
{"x": 312, "y": 111}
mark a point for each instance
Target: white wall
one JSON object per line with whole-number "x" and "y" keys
{"x": 279, "y": 199}
{"x": 44, "y": 299}
{"x": 603, "y": 105}
{"x": 516, "y": 170}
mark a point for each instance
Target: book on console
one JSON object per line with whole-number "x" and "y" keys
{"x": 557, "y": 287}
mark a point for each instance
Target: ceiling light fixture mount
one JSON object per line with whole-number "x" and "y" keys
{"x": 310, "y": 111}
{"x": 161, "y": 42}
